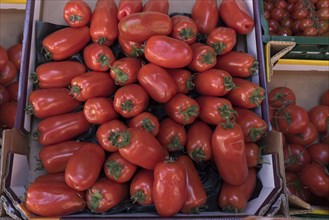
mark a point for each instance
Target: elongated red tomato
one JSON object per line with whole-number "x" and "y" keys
{"x": 15, "y": 55}
{"x": 204, "y": 57}
{"x": 77, "y": 13}
{"x": 169, "y": 188}
{"x": 3, "y": 58}
{"x": 84, "y": 166}
{"x": 184, "y": 29}
{"x": 128, "y": 7}
{"x": 198, "y": 145}
{"x": 12, "y": 89}
{"x": 125, "y": 70}
{"x": 157, "y": 82}
{"x": 253, "y": 154}
{"x": 131, "y": 48}
{"x": 8, "y": 74}
{"x": 8, "y": 114}
{"x": 167, "y": 52}
{"x": 104, "y": 22}
{"x": 292, "y": 119}
{"x": 59, "y": 128}
{"x": 161, "y": 6}
{"x": 57, "y": 74}
{"x": 105, "y": 194}
{"x": 141, "y": 187}
{"x": 4, "y": 95}
{"x": 228, "y": 147}
{"x": 241, "y": 22}
{"x": 99, "y": 110}
{"x": 49, "y": 178}
{"x": 98, "y": 57}
{"x": 308, "y": 136}
{"x": 92, "y": 84}
{"x": 65, "y": 42}
{"x": 49, "y": 102}
{"x": 222, "y": 39}
{"x": 319, "y": 116}
{"x": 141, "y": 26}
{"x": 205, "y": 15}
{"x": 146, "y": 121}
{"x": 183, "y": 79}
{"x": 54, "y": 158}
{"x": 295, "y": 157}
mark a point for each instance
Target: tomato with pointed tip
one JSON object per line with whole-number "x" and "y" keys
{"x": 319, "y": 116}
{"x": 8, "y": 74}
{"x": 295, "y": 157}
{"x": 99, "y": 110}
{"x": 8, "y": 114}
{"x": 124, "y": 71}
{"x": 205, "y": 15}
{"x": 292, "y": 119}
{"x": 204, "y": 57}
{"x": 184, "y": 29}
{"x": 98, "y": 57}
{"x": 128, "y": 7}
{"x": 131, "y": 48}
{"x": 4, "y": 95}
{"x": 281, "y": 96}
{"x": 308, "y": 136}
{"x": 146, "y": 121}
{"x": 141, "y": 187}
{"x": 319, "y": 153}
{"x": 183, "y": 79}
{"x": 12, "y": 89}
{"x": 15, "y": 55}
{"x": 222, "y": 39}
{"x": 156, "y": 5}
{"x": 77, "y": 13}
{"x": 3, "y": 58}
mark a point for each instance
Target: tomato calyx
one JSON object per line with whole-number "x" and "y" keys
{"x": 120, "y": 76}
{"x": 74, "y": 18}
{"x": 198, "y": 155}
{"x": 34, "y": 78}
{"x": 292, "y": 159}
{"x": 29, "y": 109}
{"x": 114, "y": 169}
{"x": 190, "y": 111}
{"x": 136, "y": 52}
{"x": 95, "y": 199}
{"x": 254, "y": 68}
{"x": 104, "y": 60}
{"x": 139, "y": 196}
{"x": 125, "y": 138}
{"x": 280, "y": 96}
{"x": 75, "y": 90}
{"x": 230, "y": 208}
{"x": 228, "y": 83}
{"x": 197, "y": 210}
{"x": 186, "y": 33}
{"x": 101, "y": 40}
{"x": 127, "y": 105}
{"x": 48, "y": 54}
{"x": 256, "y": 96}
{"x": 254, "y": 133}
{"x": 228, "y": 114}
{"x": 208, "y": 58}
{"x": 219, "y": 47}
{"x": 114, "y": 137}
{"x": 189, "y": 83}
{"x": 147, "y": 125}
{"x": 175, "y": 144}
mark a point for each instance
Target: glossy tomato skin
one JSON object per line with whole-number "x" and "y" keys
{"x": 319, "y": 153}
{"x": 57, "y": 74}
{"x": 281, "y": 96}
{"x": 8, "y": 114}
{"x": 4, "y": 95}
{"x": 104, "y": 22}
{"x": 84, "y": 166}
{"x": 295, "y": 157}
{"x": 246, "y": 94}
{"x": 141, "y": 26}
{"x": 169, "y": 188}
{"x": 253, "y": 126}
{"x": 222, "y": 39}
{"x": 229, "y": 148}
{"x": 238, "y": 64}
{"x": 146, "y": 121}
{"x": 131, "y": 48}
{"x": 205, "y": 15}
{"x": 182, "y": 109}
{"x": 92, "y": 84}
{"x": 157, "y": 82}
{"x": 99, "y": 110}
{"x": 141, "y": 187}
{"x": 44, "y": 103}
{"x": 167, "y": 52}
{"x": 196, "y": 193}
{"x": 234, "y": 198}
{"x": 3, "y": 57}
{"x": 307, "y": 137}
{"x": 66, "y": 42}
{"x": 98, "y": 57}
{"x": 183, "y": 79}
{"x": 198, "y": 145}
{"x": 204, "y": 57}
{"x": 118, "y": 169}
{"x": 53, "y": 199}
{"x": 325, "y": 98}
{"x": 319, "y": 116}
{"x": 214, "y": 110}
{"x": 292, "y": 119}
{"x": 107, "y": 134}
{"x": 77, "y": 13}
{"x": 184, "y": 29}
{"x": 128, "y": 7}
{"x": 59, "y": 128}
{"x": 12, "y": 89}
{"x": 253, "y": 154}
{"x": 54, "y": 158}
{"x": 15, "y": 55}
{"x": 172, "y": 135}
{"x": 49, "y": 178}
{"x": 104, "y": 194}
{"x": 124, "y": 71}
{"x": 242, "y": 23}
{"x": 213, "y": 82}
{"x": 130, "y": 100}
{"x": 8, "y": 74}
{"x": 158, "y": 6}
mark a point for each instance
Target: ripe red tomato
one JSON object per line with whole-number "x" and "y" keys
{"x": 319, "y": 116}
{"x": 294, "y": 186}
{"x": 8, "y": 114}
{"x": 131, "y": 48}
{"x": 83, "y": 168}
{"x": 169, "y": 188}
{"x": 325, "y": 98}
{"x": 4, "y": 95}
{"x": 305, "y": 23}
{"x": 77, "y": 13}
{"x": 234, "y": 198}
{"x": 253, "y": 154}
{"x": 246, "y": 94}
{"x": 273, "y": 26}
{"x": 98, "y": 57}
{"x": 204, "y": 57}
{"x": 65, "y": 42}
{"x": 184, "y": 29}
{"x": 213, "y": 82}
{"x": 141, "y": 26}
{"x": 277, "y": 13}
{"x": 43, "y": 103}
{"x": 205, "y": 15}
{"x": 130, "y": 100}
{"x": 124, "y": 71}
{"x": 238, "y": 64}
{"x": 281, "y": 4}
{"x": 8, "y": 74}
{"x": 241, "y": 22}
{"x": 92, "y": 84}
{"x": 54, "y": 158}
{"x": 3, "y": 58}
{"x": 228, "y": 147}
{"x": 108, "y": 134}
{"x": 128, "y": 7}
{"x": 104, "y": 22}
{"x": 323, "y": 14}
{"x": 141, "y": 187}
{"x": 182, "y": 109}
{"x": 198, "y": 145}
{"x": 214, "y": 110}
{"x": 292, "y": 119}
{"x": 295, "y": 157}
{"x": 146, "y": 121}
{"x": 49, "y": 178}
{"x": 319, "y": 153}
{"x": 118, "y": 169}
{"x": 172, "y": 135}
{"x": 322, "y": 4}
{"x": 308, "y": 136}
{"x": 12, "y": 89}
{"x": 15, "y": 55}
{"x": 222, "y": 39}
{"x": 59, "y": 128}
{"x": 99, "y": 110}
{"x": 57, "y": 74}
{"x": 281, "y": 96}
{"x": 105, "y": 194}
{"x": 183, "y": 79}
{"x": 310, "y": 31}
{"x": 157, "y": 82}
{"x": 196, "y": 193}
{"x": 158, "y": 6}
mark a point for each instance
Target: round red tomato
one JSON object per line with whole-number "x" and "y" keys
{"x": 125, "y": 70}
{"x": 204, "y": 57}
{"x": 281, "y": 96}
{"x": 222, "y": 39}
{"x": 131, "y": 48}
{"x": 295, "y": 157}
{"x": 99, "y": 110}
{"x": 3, "y": 58}
{"x": 12, "y": 89}
{"x": 8, "y": 114}
{"x": 155, "y": 5}
{"x": 183, "y": 79}
{"x": 146, "y": 121}
{"x": 4, "y": 95}
{"x": 15, "y": 55}
{"x": 77, "y": 13}
{"x": 205, "y": 15}
{"x": 319, "y": 116}
{"x": 184, "y": 29}
{"x": 319, "y": 153}
{"x": 98, "y": 57}
{"x": 141, "y": 187}
{"x": 292, "y": 119}
{"x": 325, "y": 98}
{"x": 8, "y": 74}
{"x": 308, "y": 136}
{"x": 128, "y": 7}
